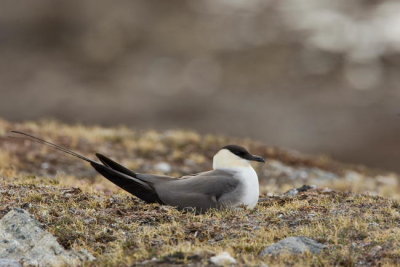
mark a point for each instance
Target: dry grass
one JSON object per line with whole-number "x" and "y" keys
{"x": 84, "y": 211}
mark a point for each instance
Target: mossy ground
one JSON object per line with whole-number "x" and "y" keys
{"x": 84, "y": 210}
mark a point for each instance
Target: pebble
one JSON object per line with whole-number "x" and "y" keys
{"x": 163, "y": 167}
{"x": 222, "y": 259}
{"x": 293, "y": 245}
{"x": 9, "y": 263}
{"x": 295, "y": 191}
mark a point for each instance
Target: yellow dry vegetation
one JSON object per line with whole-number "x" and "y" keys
{"x": 83, "y": 210}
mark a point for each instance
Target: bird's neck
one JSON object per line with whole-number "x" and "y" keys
{"x": 225, "y": 159}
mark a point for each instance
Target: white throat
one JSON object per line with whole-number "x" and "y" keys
{"x": 225, "y": 159}
{"x": 244, "y": 172}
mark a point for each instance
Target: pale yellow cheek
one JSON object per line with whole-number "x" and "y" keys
{"x": 225, "y": 159}
{"x": 231, "y": 163}
{"x": 239, "y": 163}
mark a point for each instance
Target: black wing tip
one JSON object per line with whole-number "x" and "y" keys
{"x": 100, "y": 168}
{"x": 103, "y": 159}
{"x": 100, "y": 156}
{"x": 114, "y": 165}
{"x": 95, "y": 164}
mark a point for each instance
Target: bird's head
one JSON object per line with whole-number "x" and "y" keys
{"x": 232, "y": 156}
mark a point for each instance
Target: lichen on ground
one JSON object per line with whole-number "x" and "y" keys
{"x": 83, "y": 210}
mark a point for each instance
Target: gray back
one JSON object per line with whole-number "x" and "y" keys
{"x": 202, "y": 191}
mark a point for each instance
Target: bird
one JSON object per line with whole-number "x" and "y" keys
{"x": 232, "y": 182}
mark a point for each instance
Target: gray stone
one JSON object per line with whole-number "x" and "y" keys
{"x": 163, "y": 167}
{"x": 295, "y": 191}
{"x": 23, "y": 239}
{"x": 223, "y": 259}
{"x": 294, "y": 245}
{"x": 278, "y": 171}
{"x": 9, "y": 263}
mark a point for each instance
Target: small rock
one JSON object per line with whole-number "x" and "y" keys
{"x": 71, "y": 191}
{"x": 326, "y": 190}
{"x": 9, "y": 263}
{"x": 45, "y": 165}
{"x": 189, "y": 162}
{"x": 23, "y": 239}
{"x": 278, "y": 170}
{"x": 151, "y": 262}
{"x": 373, "y": 224}
{"x": 374, "y": 251}
{"x": 163, "y": 167}
{"x": 224, "y": 258}
{"x": 390, "y": 180}
{"x": 294, "y": 245}
{"x": 291, "y": 192}
{"x": 352, "y": 176}
{"x": 295, "y": 191}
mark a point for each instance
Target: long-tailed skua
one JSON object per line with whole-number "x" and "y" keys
{"x": 232, "y": 183}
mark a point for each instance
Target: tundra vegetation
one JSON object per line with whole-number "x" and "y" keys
{"x": 354, "y": 211}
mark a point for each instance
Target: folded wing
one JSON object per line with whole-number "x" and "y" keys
{"x": 201, "y": 192}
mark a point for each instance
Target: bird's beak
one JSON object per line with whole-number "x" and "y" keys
{"x": 257, "y": 158}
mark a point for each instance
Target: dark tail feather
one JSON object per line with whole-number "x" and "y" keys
{"x": 63, "y": 149}
{"x": 114, "y": 165}
{"x": 130, "y": 184}
{"x": 121, "y": 176}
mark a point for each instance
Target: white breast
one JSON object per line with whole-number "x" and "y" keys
{"x": 250, "y": 192}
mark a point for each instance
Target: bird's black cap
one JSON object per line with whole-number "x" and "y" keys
{"x": 243, "y": 153}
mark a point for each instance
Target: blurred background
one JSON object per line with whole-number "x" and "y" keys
{"x": 318, "y": 76}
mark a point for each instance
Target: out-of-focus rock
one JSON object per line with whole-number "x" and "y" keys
{"x": 163, "y": 167}
{"x": 22, "y": 239}
{"x": 282, "y": 173}
{"x": 9, "y": 263}
{"x": 390, "y": 180}
{"x": 352, "y": 176}
{"x": 295, "y": 191}
{"x": 222, "y": 259}
{"x": 294, "y": 245}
